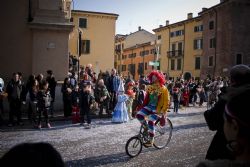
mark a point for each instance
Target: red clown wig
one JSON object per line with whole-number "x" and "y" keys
{"x": 158, "y": 75}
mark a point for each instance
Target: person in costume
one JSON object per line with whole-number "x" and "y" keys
{"x": 131, "y": 94}
{"x": 155, "y": 104}
{"x": 120, "y": 113}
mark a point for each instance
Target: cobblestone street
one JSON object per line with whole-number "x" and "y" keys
{"x": 104, "y": 143}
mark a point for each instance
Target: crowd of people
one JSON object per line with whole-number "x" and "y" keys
{"x": 41, "y": 98}
{"x": 109, "y": 92}
{"x": 125, "y": 99}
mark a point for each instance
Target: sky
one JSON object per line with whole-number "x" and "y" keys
{"x": 148, "y": 14}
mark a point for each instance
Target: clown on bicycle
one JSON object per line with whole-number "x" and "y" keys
{"x": 156, "y": 103}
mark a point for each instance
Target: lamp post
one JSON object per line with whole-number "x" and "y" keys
{"x": 79, "y": 52}
{"x": 143, "y": 60}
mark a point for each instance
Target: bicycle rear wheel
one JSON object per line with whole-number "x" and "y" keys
{"x": 133, "y": 146}
{"x": 163, "y": 134}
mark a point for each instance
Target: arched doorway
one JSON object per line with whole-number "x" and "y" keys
{"x": 187, "y": 76}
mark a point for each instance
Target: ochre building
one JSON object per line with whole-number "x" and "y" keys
{"x": 181, "y": 47}
{"x": 97, "y": 33}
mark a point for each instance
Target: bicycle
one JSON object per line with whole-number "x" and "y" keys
{"x": 162, "y": 137}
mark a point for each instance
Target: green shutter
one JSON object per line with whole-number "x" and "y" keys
{"x": 87, "y": 46}
{"x": 82, "y": 22}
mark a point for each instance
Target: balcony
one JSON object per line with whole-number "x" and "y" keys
{"x": 118, "y": 50}
{"x": 176, "y": 53}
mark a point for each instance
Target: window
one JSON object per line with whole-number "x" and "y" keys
{"x": 212, "y": 43}
{"x": 140, "y": 68}
{"x": 180, "y": 46}
{"x": 172, "y": 64}
{"x": 210, "y": 61}
{"x": 118, "y": 47}
{"x": 152, "y": 51}
{"x": 146, "y": 52}
{"x": 198, "y": 44}
{"x": 123, "y": 67}
{"x": 85, "y": 46}
{"x": 211, "y": 25}
{"x": 239, "y": 59}
{"x": 177, "y": 33}
{"x": 146, "y": 66}
{"x": 119, "y": 57}
{"x": 197, "y": 63}
{"x": 178, "y": 64}
{"x": 198, "y": 28}
{"x": 82, "y": 22}
{"x": 119, "y": 68}
{"x": 132, "y": 55}
{"x": 173, "y": 46}
{"x": 159, "y": 37}
{"x": 141, "y": 53}
{"x": 172, "y": 34}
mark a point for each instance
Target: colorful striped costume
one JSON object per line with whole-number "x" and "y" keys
{"x": 156, "y": 102}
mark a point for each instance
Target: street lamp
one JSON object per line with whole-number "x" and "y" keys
{"x": 79, "y": 52}
{"x": 143, "y": 55}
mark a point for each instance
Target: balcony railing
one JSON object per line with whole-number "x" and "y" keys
{"x": 175, "y": 53}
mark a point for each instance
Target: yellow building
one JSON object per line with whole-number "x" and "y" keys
{"x": 97, "y": 38}
{"x": 181, "y": 47}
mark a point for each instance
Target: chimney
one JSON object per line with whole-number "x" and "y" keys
{"x": 203, "y": 9}
{"x": 190, "y": 15}
{"x": 139, "y": 28}
{"x": 160, "y": 26}
{"x": 167, "y": 22}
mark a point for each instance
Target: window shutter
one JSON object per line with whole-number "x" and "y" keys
{"x": 195, "y": 44}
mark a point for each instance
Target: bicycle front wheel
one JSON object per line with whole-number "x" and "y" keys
{"x": 163, "y": 134}
{"x": 133, "y": 146}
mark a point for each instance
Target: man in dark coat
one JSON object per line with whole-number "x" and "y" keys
{"x": 240, "y": 75}
{"x": 16, "y": 96}
{"x": 52, "y": 89}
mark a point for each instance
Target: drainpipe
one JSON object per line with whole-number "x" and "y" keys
{"x": 215, "y": 49}
{"x": 30, "y": 19}
{"x": 184, "y": 47}
{"x": 168, "y": 47}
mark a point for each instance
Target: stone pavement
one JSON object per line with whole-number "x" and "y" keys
{"x": 104, "y": 143}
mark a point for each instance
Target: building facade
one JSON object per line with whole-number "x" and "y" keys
{"x": 136, "y": 60}
{"x": 35, "y": 37}
{"x": 181, "y": 47}
{"x": 134, "y": 52}
{"x": 97, "y": 33}
{"x": 226, "y": 37}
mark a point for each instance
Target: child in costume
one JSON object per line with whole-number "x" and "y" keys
{"x": 156, "y": 103}
{"x": 131, "y": 94}
{"x": 43, "y": 104}
{"x": 120, "y": 113}
{"x": 87, "y": 100}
